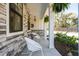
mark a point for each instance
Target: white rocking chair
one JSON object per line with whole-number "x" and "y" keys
{"x": 33, "y": 46}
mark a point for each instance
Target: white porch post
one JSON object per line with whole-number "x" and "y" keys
{"x": 78, "y": 18}
{"x": 45, "y": 33}
{"x": 78, "y": 25}
{"x": 51, "y": 28}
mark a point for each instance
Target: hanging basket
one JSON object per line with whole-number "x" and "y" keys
{"x": 46, "y": 19}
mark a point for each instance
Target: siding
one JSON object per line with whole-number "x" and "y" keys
{"x": 9, "y": 45}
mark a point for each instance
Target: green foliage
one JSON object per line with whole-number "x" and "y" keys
{"x": 63, "y": 38}
{"x": 66, "y": 20}
{"x": 58, "y": 7}
{"x": 70, "y": 42}
{"x": 46, "y": 19}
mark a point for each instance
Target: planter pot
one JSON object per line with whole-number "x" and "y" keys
{"x": 62, "y": 48}
{"x": 75, "y": 53}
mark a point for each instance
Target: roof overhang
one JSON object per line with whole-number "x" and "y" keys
{"x": 37, "y": 9}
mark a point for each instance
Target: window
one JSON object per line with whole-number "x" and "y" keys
{"x": 16, "y": 17}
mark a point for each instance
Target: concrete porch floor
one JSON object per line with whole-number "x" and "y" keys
{"x": 46, "y": 50}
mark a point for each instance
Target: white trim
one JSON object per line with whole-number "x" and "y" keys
{"x": 7, "y": 19}
{"x": 16, "y": 33}
{"x": 7, "y": 24}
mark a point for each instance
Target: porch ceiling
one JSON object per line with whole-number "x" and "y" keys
{"x": 37, "y": 9}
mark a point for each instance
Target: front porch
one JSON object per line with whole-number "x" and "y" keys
{"x": 19, "y": 18}
{"x": 22, "y": 18}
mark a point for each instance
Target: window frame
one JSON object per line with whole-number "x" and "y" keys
{"x": 17, "y": 13}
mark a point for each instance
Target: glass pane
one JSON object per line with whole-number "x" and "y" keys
{"x": 15, "y": 18}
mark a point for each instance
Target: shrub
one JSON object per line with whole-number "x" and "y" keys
{"x": 63, "y": 38}
{"x": 68, "y": 41}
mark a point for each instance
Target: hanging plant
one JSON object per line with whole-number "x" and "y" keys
{"x": 58, "y": 7}
{"x": 46, "y": 19}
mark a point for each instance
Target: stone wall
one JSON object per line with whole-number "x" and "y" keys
{"x": 12, "y": 45}
{"x": 2, "y": 26}
{"x": 25, "y": 19}
{"x": 40, "y": 32}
